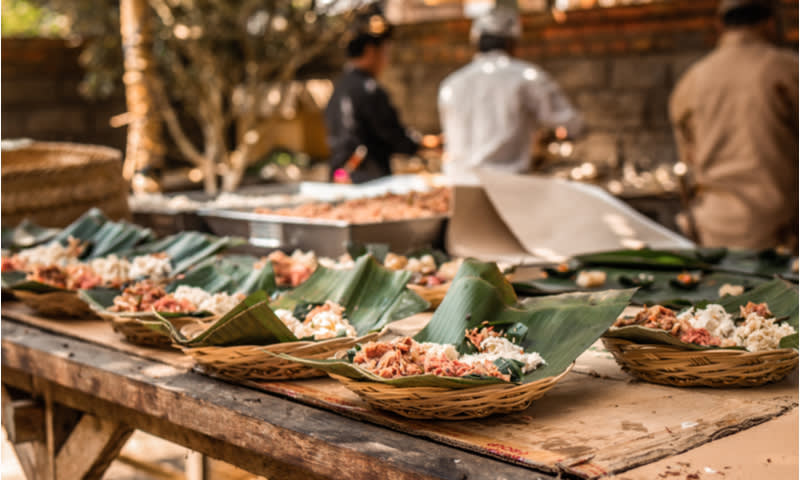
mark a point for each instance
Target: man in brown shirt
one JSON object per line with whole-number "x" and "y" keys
{"x": 735, "y": 117}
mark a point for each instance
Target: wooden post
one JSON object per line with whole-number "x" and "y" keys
{"x": 145, "y": 146}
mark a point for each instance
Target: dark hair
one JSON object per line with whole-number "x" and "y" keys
{"x": 356, "y": 46}
{"x": 488, "y": 42}
{"x": 746, "y": 16}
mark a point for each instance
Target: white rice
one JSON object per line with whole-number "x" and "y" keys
{"x": 216, "y": 303}
{"x": 324, "y": 324}
{"x": 713, "y": 318}
{"x": 46, "y": 255}
{"x": 757, "y": 333}
{"x": 425, "y": 265}
{"x": 591, "y": 279}
{"x": 447, "y": 350}
{"x": 493, "y": 348}
{"x": 729, "y": 289}
{"x": 153, "y": 267}
{"x": 112, "y": 269}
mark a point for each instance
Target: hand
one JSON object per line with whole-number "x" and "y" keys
{"x": 431, "y": 141}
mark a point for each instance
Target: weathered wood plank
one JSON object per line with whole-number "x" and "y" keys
{"x": 232, "y": 420}
{"x": 90, "y": 449}
{"x": 23, "y": 418}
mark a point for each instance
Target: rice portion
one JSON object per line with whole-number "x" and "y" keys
{"x": 494, "y": 347}
{"x": 713, "y": 318}
{"x": 112, "y": 269}
{"x": 216, "y": 303}
{"x": 155, "y": 267}
{"x": 51, "y": 254}
{"x": 757, "y": 333}
{"x": 324, "y": 321}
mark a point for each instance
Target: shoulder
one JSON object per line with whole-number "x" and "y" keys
{"x": 780, "y": 62}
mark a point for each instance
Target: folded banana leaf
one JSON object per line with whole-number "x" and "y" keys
{"x": 25, "y": 235}
{"x": 84, "y": 227}
{"x": 252, "y": 322}
{"x": 662, "y": 290}
{"x": 371, "y": 295}
{"x": 646, "y": 258}
{"x": 115, "y": 238}
{"x": 559, "y": 328}
{"x": 780, "y": 295}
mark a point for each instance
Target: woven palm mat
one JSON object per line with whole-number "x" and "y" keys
{"x": 597, "y": 421}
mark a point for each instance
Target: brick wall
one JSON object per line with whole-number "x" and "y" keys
{"x": 40, "y": 97}
{"x": 618, "y": 65}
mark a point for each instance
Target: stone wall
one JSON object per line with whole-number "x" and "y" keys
{"x": 40, "y": 99}
{"x": 617, "y": 65}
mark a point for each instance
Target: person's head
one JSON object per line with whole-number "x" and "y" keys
{"x": 757, "y": 15}
{"x": 497, "y": 29}
{"x": 368, "y": 49}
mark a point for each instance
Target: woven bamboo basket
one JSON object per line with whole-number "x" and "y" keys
{"x": 52, "y": 183}
{"x": 433, "y": 295}
{"x": 668, "y": 365}
{"x": 139, "y": 334}
{"x": 57, "y": 304}
{"x": 252, "y": 362}
{"x": 451, "y": 403}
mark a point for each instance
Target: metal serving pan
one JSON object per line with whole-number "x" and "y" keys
{"x": 328, "y": 238}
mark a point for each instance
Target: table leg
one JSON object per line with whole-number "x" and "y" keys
{"x": 54, "y": 442}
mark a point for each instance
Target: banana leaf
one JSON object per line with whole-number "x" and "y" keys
{"x": 661, "y": 291}
{"x": 25, "y": 235}
{"x": 489, "y": 272}
{"x": 186, "y": 249}
{"x": 115, "y": 238}
{"x": 645, "y": 258}
{"x": 371, "y": 295}
{"x": 84, "y": 227}
{"x": 559, "y": 327}
{"x": 233, "y": 274}
{"x": 779, "y": 295}
{"x": 252, "y": 322}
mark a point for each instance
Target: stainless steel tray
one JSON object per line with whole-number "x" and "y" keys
{"x": 327, "y": 238}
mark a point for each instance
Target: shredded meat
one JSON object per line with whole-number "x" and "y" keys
{"x": 406, "y": 357}
{"x": 52, "y": 275}
{"x": 759, "y": 308}
{"x": 168, "y": 303}
{"x": 82, "y": 276}
{"x": 656, "y": 316}
{"x": 698, "y": 336}
{"x": 12, "y": 263}
{"x": 288, "y": 271}
{"x": 139, "y": 297}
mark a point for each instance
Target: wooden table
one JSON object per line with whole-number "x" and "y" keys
{"x": 73, "y": 393}
{"x": 85, "y": 400}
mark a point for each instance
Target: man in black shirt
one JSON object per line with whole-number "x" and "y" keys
{"x": 363, "y": 127}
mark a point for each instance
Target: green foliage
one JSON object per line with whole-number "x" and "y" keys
{"x": 23, "y": 18}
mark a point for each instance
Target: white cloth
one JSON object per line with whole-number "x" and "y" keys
{"x": 490, "y": 110}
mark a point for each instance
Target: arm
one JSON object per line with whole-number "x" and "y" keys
{"x": 680, "y": 116}
{"x": 382, "y": 118}
{"x": 549, "y": 104}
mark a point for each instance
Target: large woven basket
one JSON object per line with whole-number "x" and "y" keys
{"x": 56, "y": 304}
{"x": 137, "y": 333}
{"x": 52, "y": 184}
{"x": 448, "y": 403}
{"x": 670, "y": 365}
{"x": 433, "y": 295}
{"x": 253, "y": 362}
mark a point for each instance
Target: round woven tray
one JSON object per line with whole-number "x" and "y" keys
{"x": 53, "y": 183}
{"x": 448, "y": 403}
{"x": 669, "y": 365}
{"x": 135, "y": 332}
{"x": 252, "y": 362}
{"x": 434, "y": 295}
{"x": 56, "y": 304}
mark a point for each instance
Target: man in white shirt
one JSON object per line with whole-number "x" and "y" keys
{"x": 491, "y": 108}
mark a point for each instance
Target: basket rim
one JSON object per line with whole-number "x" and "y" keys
{"x": 553, "y": 379}
{"x": 693, "y": 353}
